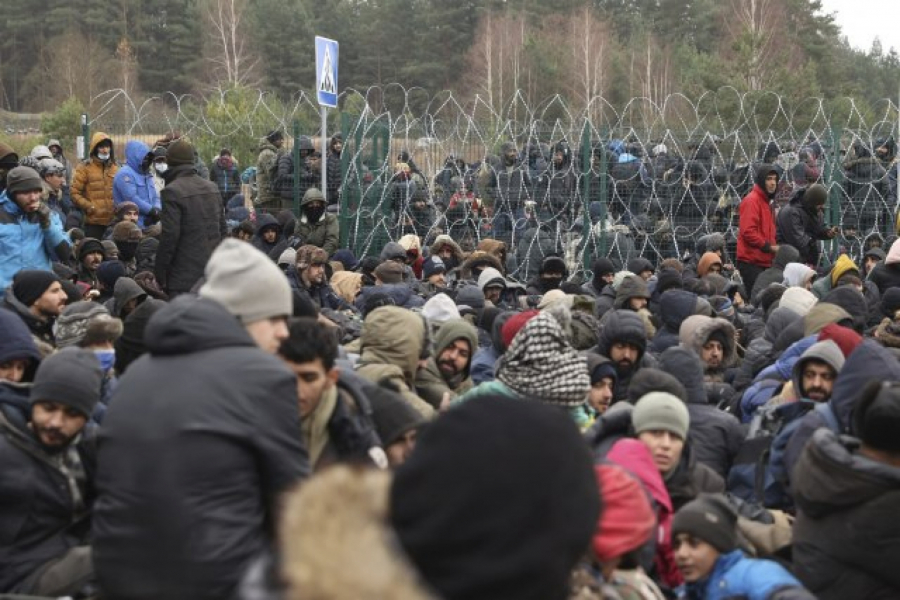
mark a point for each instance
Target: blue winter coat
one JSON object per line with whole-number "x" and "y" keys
{"x": 483, "y": 364}
{"x": 24, "y": 244}
{"x": 131, "y": 185}
{"x": 736, "y": 576}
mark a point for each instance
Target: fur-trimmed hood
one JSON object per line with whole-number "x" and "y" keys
{"x": 337, "y": 543}
{"x": 696, "y": 329}
{"x": 445, "y": 240}
{"x": 481, "y": 259}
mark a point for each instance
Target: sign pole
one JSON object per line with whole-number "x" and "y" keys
{"x": 327, "y": 95}
{"x": 324, "y": 152}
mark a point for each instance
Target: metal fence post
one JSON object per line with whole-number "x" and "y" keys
{"x": 587, "y": 230}
{"x": 836, "y": 181}
{"x": 295, "y": 152}
{"x": 344, "y": 195}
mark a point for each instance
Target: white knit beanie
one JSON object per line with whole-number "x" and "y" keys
{"x": 798, "y": 299}
{"x": 247, "y": 283}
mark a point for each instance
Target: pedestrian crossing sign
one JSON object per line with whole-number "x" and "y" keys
{"x": 327, "y": 71}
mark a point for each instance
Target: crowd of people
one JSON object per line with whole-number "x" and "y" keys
{"x": 199, "y": 399}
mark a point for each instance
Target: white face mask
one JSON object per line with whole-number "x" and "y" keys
{"x": 161, "y": 167}
{"x": 103, "y": 155}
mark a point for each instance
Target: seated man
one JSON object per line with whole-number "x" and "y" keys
{"x": 309, "y": 279}
{"x": 447, "y": 372}
{"x": 335, "y": 415}
{"x": 37, "y": 297}
{"x": 46, "y": 490}
{"x": 19, "y": 356}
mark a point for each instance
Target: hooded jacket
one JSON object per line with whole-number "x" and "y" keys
{"x": 675, "y": 306}
{"x": 266, "y": 221}
{"x": 801, "y": 226}
{"x": 92, "y": 186}
{"x": 193, "y": 224}
{"x": 130, "y": 184}
{"x": 125, "y": 291}
{"x": 445, "y": 240}
{"x": 624, "y": 326}
{"x": 775, "y": 274}
{"x": 696, "y": 331}
{"x": 756, "y": 230}
{"x": 211, "y": 469}
{"x": 632, "y": 286}
{"x": 479, "y": 260}
{"x": 846, "y": 536}
{"x": 24, "y": 244}
{"x": 886, "y": 274}
{"x": 826, "y": 352}
{"x": 797, "y": 274}
{"x": 46, "y": 497}
{"x": 431, "y": 385}
{"x": 869, "y": 362}
{"x": 735, "y": 575}
{"x": 325, "y": 232}
{"x": 716, "y": 436}
{"x": 391, "y": 345}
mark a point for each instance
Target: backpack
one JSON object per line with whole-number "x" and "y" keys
{"x": 757, "y": 474}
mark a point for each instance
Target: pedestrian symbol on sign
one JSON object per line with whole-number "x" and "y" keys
{"x": 327, "y": 84}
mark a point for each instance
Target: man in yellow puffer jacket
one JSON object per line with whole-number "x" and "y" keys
{"x": 92, "y": 186}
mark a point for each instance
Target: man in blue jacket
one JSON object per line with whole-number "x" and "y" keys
{"x": 134, "y": 182}
{"x": 31, "y": 235}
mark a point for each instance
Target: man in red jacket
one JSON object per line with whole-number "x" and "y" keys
{"x": 756, "y": 231}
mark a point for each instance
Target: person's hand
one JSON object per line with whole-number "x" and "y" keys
{"x": 43, "y": 215}
{"x": 153, "y": 215}
{"x": 773, "y": 248}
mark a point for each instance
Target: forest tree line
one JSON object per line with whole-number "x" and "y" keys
{"x": 617, "y": 49}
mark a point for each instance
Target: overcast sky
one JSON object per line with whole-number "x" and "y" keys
{"x": 864, "y": 20}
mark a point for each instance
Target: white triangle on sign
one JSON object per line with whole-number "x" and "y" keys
{"x": 327, "y": 84}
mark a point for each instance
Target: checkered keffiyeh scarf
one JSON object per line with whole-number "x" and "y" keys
{"x": 541, "y": 364}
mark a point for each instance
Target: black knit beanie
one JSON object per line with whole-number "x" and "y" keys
{"x": 668, "y": 279}
{"x": 180, "y": 153}
{"x": 890, "y": 302}
{"x": 31, "y": 284}
{"x": 876, "y": 416}
{"x": 71, "y": 377}
{"x": 649, "y": 380}
{"x": 710, "y": 518}
{"x": 464, "y": 505}
{"x": 393, "y": 415}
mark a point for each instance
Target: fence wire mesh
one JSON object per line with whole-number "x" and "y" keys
{"x": 648, "y": 178}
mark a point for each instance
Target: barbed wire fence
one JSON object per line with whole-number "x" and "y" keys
{"x": 647, "y": 178}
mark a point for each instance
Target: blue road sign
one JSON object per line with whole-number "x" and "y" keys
{"x": 327, "y": 71}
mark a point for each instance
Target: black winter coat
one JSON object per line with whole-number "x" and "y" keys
{"x": 193, "y": 224}
{"x": 847, "y": 535}
{"x": 801, "y": 229}
{"x": 885, "y": 276}
{"x": 201, "y": 439}
{"x": 715, "y": 436}
{"x": 39, "y": 519}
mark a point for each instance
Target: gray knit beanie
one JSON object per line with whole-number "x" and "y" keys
{"x": 247, "y": 283}
{"x": 71, "y": 377}
{"x": 661, "y": 411}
